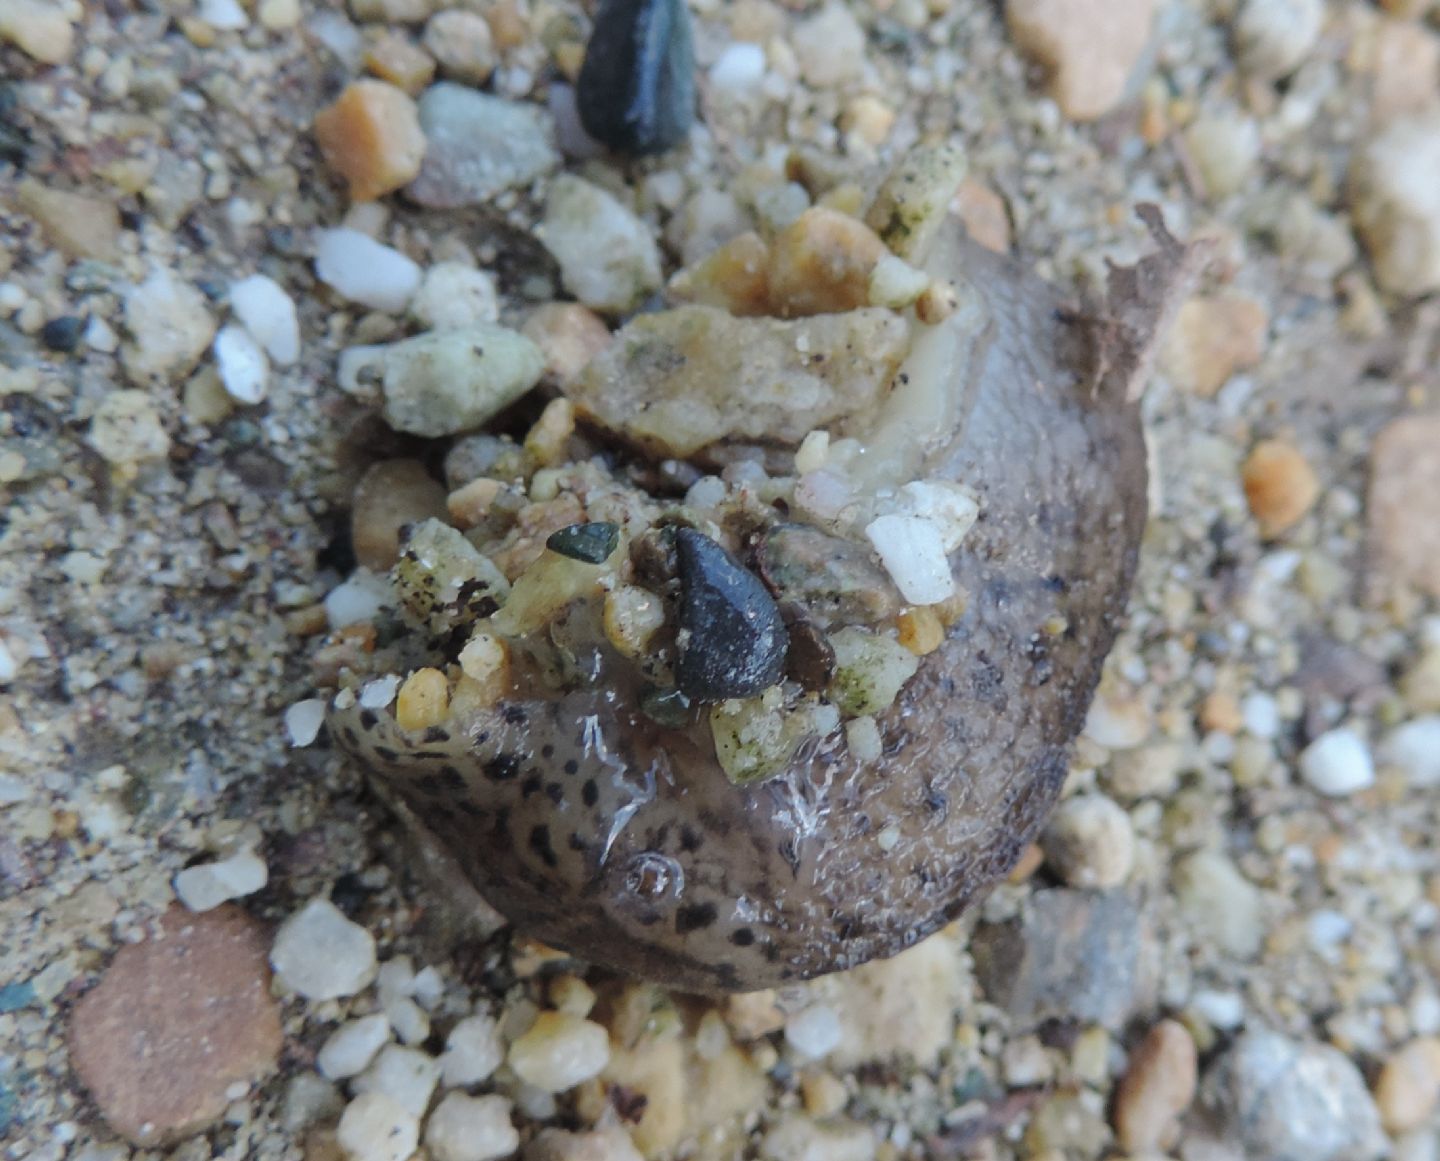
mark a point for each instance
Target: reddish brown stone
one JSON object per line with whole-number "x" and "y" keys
{"x": 175, "y": 1023}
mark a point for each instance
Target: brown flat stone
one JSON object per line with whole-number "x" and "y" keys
{"x": 175, "y": 1022}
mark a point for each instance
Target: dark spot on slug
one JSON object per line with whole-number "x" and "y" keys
{"x": 694, "y": 917}
{"x": 502, "y": 768}
{"x": 540, "y": 844}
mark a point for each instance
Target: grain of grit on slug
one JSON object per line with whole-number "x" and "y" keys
{"x": 634, "y": 839}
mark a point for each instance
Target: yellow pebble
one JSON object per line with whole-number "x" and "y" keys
{"x": 470, "y": 504}
{"x": 483, "y": 656}
{"x": 632, "y": 617}
{"x": 546, "y": 440}
{"x": 921, "y": 630}
{"x": 423, "y": 701}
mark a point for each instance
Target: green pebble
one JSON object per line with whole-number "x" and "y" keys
{"x": 589, "y": 543}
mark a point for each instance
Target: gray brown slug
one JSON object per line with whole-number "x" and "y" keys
{"x": 606, "y": 828}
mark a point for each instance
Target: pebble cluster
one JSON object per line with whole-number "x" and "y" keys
{"x": 1251, "y": 807}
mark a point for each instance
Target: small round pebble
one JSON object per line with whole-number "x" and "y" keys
{"x": 1337, "y": 764}
{"x": 244, "y": 370}
{"x": 814, "y": 1032}
{"x": 207, "y": 885}
{"x": 63, "y": 334}
{"x": 461, "y": 44}
{"x": 560, "y": 1051}
{"x": 361, "y": 269}
{"x": 1158, "y": 1086}
{"x": 375, "y": 1128}
{"x": 1396, "y": 203}
{"x": 322, "y": 955}
{"x": 350, "y": 1048}
{"x": 466, "y": 1128}
{"x": 1090, "y": 842}
{"x": 473, "y": 1051}
{"x": 268, "y": 313}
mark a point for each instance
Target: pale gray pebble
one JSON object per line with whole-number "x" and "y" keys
{"x": 1292, "y": 1100}
{"x": 478, "y": 146}
{"x": 322, "y": 955}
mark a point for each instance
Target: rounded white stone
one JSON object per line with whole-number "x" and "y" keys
{"x": 473, "y": 1051}
{"x": 351, "y": 1047}
{"x": 560, "y": 1051}
{"x": 268, "y": 312}
{"x": 912, "y": 550}
{"x": 466, "y": 1128}
{"x": 364, "y": 271}
{"x": 1414, "y": 749}
{"x": 453, "y": 296}
{"x": 1337, "y": 764}
{"x": 244, "y": 370}
{"x": 303, "y": 721}
{"x": 814, "y": 1032}
{"x": 207, "y": 885}
{"x": 408, "y": 1077}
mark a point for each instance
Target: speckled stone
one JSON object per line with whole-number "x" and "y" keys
{"x": 176, "y": 1024}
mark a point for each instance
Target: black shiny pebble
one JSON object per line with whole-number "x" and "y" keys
{"x": 588, "y": 543}
{"x": 636, "y": 92}
{"x": 732, "y": 640}
{"x": 63, "y": 334}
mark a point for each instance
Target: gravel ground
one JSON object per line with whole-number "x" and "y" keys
{"x": 1225, "y": 946}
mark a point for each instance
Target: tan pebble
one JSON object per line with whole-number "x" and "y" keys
{"x": 1214, "y": 337}
{"x": 1089, "y": 48}
{"x": 198, "y": 32}
{"x": 508, "y": 24}
{"x": 394, "y": 58}
{"x": 545, "y": 442}
{"x": 846, "y": 198}
{"x": 371, "y": 136}
{"x": 462, "y": 44}
{"x": 1408, "y": 1086}
{"x": 1280, "y": 486}
{"x": 310, "y": 621}
{"x": 1420, "y": 686}
{"x": 1031, "y": 859}
{"x": 823, "y": 1093}
{"x": 470, "y": 504}
{"x": 484, "y": 657}
{"x": 986, "y": 218}
{"x": 423, "y": 701}
{"x": 176, "y": 1023}
{"x": 38, "y": 28}
{"x": 869, "y": 118}
{"x": 752, "y": 1015}
{"x": 1404, "y": 474}
{"x": 204, "y": 397}
{"x": 559, "y": 1052}
{"x": 1220, "y": 712}
{"x": 1158, "y": 1086}
{"x": 569, "y": 336}
{"x": 921, "y": 631}
{"x": 79, "y": 225}
{"x": 655, "y": 1069}
{"x": 735, "y": 278}
{"x": 390, "y": 496}
{"x": 821, "y": 264}
{"x": 938, "y": 302}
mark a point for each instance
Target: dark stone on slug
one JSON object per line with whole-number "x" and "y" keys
{"x": 587, "y": 543}
{"x": 733, "y": 641}
{"x": 636, "y": 91}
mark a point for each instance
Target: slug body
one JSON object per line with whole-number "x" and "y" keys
{"x": 602, "y": 831}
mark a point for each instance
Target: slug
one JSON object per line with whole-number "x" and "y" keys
{"x": 711, "y": 760}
